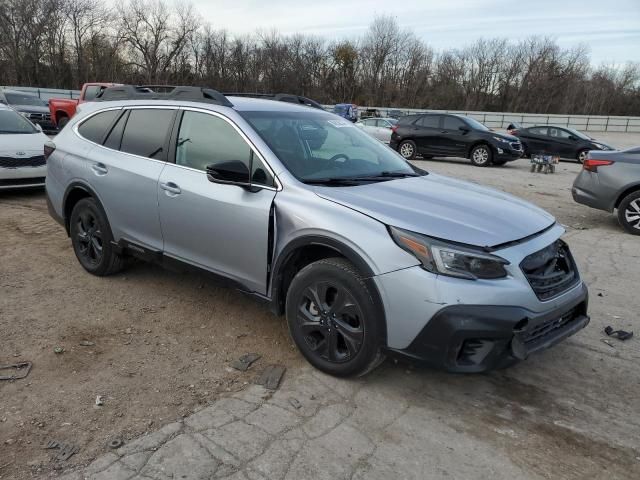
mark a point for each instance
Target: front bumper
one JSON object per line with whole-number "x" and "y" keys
{"x": 24, "y": 177}
{"x": 477, "y": 338}
{"x": 506, "y": 153}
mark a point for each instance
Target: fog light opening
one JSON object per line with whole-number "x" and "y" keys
{"x": 521, "y": 325}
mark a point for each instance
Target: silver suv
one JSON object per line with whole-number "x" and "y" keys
{"x": 364, "y": 253}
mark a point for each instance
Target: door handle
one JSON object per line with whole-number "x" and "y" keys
{"x": 171, "y": 188}
{"x": 99, "y": 169}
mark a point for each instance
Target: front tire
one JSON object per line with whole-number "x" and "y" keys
{"x": 481, "y": 155}
{"x": 582, "y": 155}
{"x": 62, "y": 122}
{"x": 629, "y": 213}
{"x": 92, "y": 239}
{"x": 408, "y": 149}
{"x": 333, "y": 319}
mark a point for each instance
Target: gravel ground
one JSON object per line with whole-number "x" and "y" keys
{"x": 163, "y": 342}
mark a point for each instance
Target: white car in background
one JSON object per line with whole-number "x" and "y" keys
{"x": 379, "y": 128}
{"x": 22, "y": 151}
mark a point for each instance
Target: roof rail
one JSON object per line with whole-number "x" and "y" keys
{"x": 163, "y": 92}
{"x": 280, "y": 97}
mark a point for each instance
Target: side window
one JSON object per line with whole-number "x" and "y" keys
{"x": 91, "y": 92}
{"x": 95, "y": 128}
{"x": 453, "y": 123}
{"x": 147, "y": 133}
{"x": 429, "y": 121}
{"x": 205, "y": 140}
{"x": 559, "y": 133}
{"x": 539, "y": 130}
{"x": 114, "y": 139}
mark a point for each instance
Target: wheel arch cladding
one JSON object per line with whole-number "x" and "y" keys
{"x": 74, "y": 193}
{"x": 308, "y": 249}
{"x": 628, "y": 191}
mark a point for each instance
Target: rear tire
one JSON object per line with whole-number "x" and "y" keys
{"x": 481, "y": 155}
{"x": 629, "y": 213}
{"x": 62, "y": 121}
{"x": 408, "y": 149}
{"x": 92, "y": 239}
{"x": 333, "y": 319}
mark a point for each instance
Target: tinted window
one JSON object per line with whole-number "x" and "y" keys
{"x": 12, "y": 122}
{"x": 206, "y": 140}
{"x": 115, "y": 136}
{"x": 91, "y": 92}
{"x": 95, "y": 128}
{"x": 453, "y": 123}
{"x": 538, "y": 130}
{"x": 429, "y": 121}
{"x": 147, "y": 132}
{"x": 558, "y": 133}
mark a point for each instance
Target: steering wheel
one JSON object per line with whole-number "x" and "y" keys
{"x": 337, "y": 157}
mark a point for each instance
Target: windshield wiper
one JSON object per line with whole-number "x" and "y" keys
{"x": 333, "y": 181}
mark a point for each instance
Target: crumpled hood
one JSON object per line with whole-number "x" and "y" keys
{"x": 444, "y": 208}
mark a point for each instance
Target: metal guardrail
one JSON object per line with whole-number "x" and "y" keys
{"x": 47, "y": 93}
{"x": 588, "y": 123}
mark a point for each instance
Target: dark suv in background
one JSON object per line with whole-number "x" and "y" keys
{"x": 445, "y": 135}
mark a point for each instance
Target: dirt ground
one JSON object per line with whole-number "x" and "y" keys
{"x": 163, "y": 341}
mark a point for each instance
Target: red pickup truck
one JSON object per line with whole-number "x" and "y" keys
{"x": 62, "y": 109}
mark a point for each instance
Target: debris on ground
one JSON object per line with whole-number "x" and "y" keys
{"x": 619, "y": 334}
{"x": 604, "y": 340}
{"x": 99, "y": 401}
{"x": 66, "y": 449}
{"x": 87, "y": 343}
{"x": 58, "y": 350}
{"x": 20, "y": 370}
{"x": 115, "y": 443}
{"x": 271, "y": 376}
{"x": 295, "y": 403}
{"x": 245, "y": 361}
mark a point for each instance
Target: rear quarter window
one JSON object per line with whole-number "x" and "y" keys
{"x": 147, "y": 133}
{"x": 95, "y": 127}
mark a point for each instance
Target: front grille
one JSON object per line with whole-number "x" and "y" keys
{"x": 550, "y": 271}
{"x": 516, "y": 146}
{"x": 16, "y": 182}
{"x": 40, "y": 117}
{"x": 21, "y": 162}
{"x": 549, "y": 327}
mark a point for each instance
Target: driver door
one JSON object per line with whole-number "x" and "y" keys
{"x": 221, "y": 228}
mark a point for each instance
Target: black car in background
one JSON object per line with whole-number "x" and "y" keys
{"x": 31, "y": 106}
{"x": 562, "y": 141}
{"x": 447, "y": 135}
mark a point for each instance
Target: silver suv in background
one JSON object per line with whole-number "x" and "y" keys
{"x": 363, "y": 252}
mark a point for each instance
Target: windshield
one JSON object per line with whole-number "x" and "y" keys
{"x": 340, "y": 108}
{"x": 316, "y": 145}
{"x": 476, "y": 125}
{"x": 24, "y": 99}
{"x": 578, "y": 134}
{"x": 13, "y": 123}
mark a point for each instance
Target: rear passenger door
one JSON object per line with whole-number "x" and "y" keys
{"x": 222, "y": 228}
{"x": 125, "y": 169}
{"x": 427, "y": 134}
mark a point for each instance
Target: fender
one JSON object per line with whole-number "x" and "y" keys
{"x": 277, "y": 275}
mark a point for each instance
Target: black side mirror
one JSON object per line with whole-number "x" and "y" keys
{"x": 463, "y": 129}
{"x": 233, "y": 172}
{"x": 573, "y": 138}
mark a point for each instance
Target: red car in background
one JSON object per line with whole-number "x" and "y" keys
{"x": 62, "y": 109}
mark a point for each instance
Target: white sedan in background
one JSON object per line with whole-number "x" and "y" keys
{"x": 22, "y": 156}
{"x": 379, "y": 128}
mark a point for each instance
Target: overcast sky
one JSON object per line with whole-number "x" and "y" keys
{"x": 611, "y": 28}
